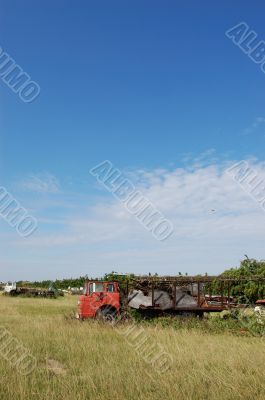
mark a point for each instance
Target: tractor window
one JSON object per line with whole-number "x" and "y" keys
{"x": 110, "y": 287}
{"x": 98, "y": 287}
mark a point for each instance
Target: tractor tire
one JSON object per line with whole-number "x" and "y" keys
{"x": 106, "y": 314}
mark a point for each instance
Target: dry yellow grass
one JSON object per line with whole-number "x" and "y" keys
{"x": 92, "y": 361}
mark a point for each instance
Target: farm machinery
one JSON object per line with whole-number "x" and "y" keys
{"x": 12, "y": 289}
{"x": 260, "y": 310}
{"x": 153, "y": 296}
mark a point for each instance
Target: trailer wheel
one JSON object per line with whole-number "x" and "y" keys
{"x": 106, "y": 314}
{"x": 199, "y": 314}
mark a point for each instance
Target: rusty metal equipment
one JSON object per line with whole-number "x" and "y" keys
{"x": 200, "y": 287}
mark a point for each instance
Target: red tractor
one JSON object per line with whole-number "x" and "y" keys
{"x": 100, "y": 300}
{"x": 156, "y": 296}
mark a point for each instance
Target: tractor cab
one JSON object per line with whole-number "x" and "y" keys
{"x": 100, "y": 299}
{"x": 10, "y": 287}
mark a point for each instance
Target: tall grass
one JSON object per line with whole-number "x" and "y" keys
{"x": 95, "y": 361}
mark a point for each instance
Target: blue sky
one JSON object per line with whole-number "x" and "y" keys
{"x": 152, "y": 86}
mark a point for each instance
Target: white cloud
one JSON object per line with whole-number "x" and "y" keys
{"x": 41, "y": 183}
{"x": 215, "y": 223}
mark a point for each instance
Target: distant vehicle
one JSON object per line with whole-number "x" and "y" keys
{"x": 260, "y": 311}
{"x": 75, "y": 290}
{"x": 10, "y": 287}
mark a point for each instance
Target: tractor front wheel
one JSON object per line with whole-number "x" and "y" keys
{"x": 106, "y": 314}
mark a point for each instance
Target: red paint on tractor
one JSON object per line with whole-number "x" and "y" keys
{"x": 97, "y": 297}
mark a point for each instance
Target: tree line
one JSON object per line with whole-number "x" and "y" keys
{"x": 245, "y": 291}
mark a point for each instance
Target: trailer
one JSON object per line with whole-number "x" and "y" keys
{"x": 154, "y": 296}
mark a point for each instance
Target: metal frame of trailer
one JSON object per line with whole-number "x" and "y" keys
{"x": 204, "y": 303}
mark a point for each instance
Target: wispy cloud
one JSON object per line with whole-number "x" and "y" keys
{"x": 256, "y": 126}
{"x": 41, "y": 183}
{"x": 216, "y": 223}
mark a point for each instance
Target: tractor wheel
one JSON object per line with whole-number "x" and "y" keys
{"x": 106, "y": 314}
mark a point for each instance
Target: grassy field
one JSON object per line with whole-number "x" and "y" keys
{"x": 94, "y": 361}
